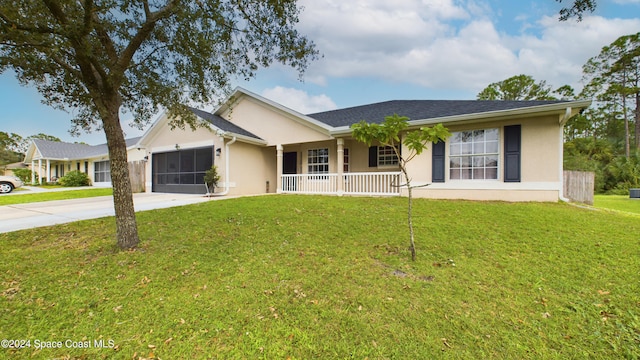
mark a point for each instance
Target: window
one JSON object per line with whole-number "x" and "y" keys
{"x": 473, "y": 155}
{"x": 102, "y": 171}
{"x": 318, "y": 161}
{"x": 345, "y": 166}
{"x": 387, "y": 156}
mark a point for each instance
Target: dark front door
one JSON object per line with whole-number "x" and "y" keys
{"x": 289, "y": 167}
{"x": 290, "y": 163}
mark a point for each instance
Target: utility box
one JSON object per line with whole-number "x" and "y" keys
{"x": 634, "y": 193}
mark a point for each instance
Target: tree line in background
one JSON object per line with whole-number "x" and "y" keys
{"x": 605, "y": 138}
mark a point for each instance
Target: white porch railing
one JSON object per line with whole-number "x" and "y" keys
{"x": 371, "y": 183}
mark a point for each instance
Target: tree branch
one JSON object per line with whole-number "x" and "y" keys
{"x": 75, "y": 72}
{"x": 250, "y": 20}
{"x": 151, "y": 20}
{"x": 56, "y": 11}
{"x": 32, "y": 29}
{"x": 105, "y": 40}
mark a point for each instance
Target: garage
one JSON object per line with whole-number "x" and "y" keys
{"x": 181, "y": 171}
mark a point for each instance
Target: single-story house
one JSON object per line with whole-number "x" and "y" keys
{"x": 52, "y": 159}
{"x": 499, "y": 150}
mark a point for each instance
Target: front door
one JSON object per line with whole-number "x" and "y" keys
{"x": 289, "y": 167}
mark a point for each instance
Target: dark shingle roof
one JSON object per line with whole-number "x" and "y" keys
{"x": 418, "y": 110}
{"x": 223, "y": 124}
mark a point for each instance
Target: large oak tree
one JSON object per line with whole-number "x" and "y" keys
{"x": 99, "y": 58}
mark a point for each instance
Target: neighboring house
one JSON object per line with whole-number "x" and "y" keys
{"x": 500, "y": 150}
{"x": 52, "y": 159}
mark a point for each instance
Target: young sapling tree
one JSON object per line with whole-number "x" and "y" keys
{"x": 389, "y": 133}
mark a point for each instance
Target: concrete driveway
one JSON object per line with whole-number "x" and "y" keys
{"x": 32, "y": 215}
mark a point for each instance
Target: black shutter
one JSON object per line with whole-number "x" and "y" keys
{"x": 512, "y": 145}
{"x": 437, "y": 162}
{"x": 373, "y": 156}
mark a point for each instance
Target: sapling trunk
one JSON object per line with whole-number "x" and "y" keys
{"x": 412, "y": 244}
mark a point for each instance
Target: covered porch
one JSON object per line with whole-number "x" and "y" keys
{"x": 51, "y": 169}
{"x": 326, "y": 168}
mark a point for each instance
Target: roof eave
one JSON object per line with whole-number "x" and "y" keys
{"x": 244, "y": 138}
{"x": 557, "y": 108}
{"x": 231, "y": 135}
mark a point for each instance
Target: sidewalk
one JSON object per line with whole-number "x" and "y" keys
{"x": 32, "y": 215}
{"x": 27, "y": 189}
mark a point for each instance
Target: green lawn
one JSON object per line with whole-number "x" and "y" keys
{"x": 54, "y": 195}
{"x": 303, "y": 277}
{"x": 617, "y": 202}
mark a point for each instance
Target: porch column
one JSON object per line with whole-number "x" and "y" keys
{"x": 279, "y": 150}
{"x": 33, "y": 172}
{"x": 340, "y": 187}
{"x": 40, "y": 171}
{"x": 48, "y": 170}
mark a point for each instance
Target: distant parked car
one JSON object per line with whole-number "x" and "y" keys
{"x": 8, "y": 183}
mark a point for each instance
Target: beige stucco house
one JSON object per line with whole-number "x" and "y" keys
{"x": 500, "y": 150}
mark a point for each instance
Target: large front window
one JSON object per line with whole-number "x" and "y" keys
{"x": 102, "y": 171}
{"x": 474, "y": 155}
{"x": 318, "y": 161}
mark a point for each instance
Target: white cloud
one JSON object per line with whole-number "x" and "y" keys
{"x": 299, "y": 100}
{"x": 447, "y": 44}
{"x": 559, "y": 53}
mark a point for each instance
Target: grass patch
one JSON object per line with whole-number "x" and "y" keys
{"x": 618, "y": 203}
{"x": 54, "y": 195}
{"x": 327, "y": 277}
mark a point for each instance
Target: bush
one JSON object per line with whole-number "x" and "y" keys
{"x": 211, "y": 177}
{"x": 624, "y": 173}
{"x": 75, "y": 178}
{"x": 24, "y": 175}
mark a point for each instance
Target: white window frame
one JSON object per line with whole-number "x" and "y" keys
{"x": 318, "y": 161}
{"x": 346, "y": 167}
{"x": 387, "y": 157}
{"x": 474, "y": 155}
{"x": 102, "y": 171}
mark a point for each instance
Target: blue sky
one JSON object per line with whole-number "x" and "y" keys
{"x": 377, "y": 50}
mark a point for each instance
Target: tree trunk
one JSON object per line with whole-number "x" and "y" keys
{"x": 126, "y": 226}
{"x": 637, "y": 119}
{"x": 412, "y": 244}
{"x": 627, "y": 134}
